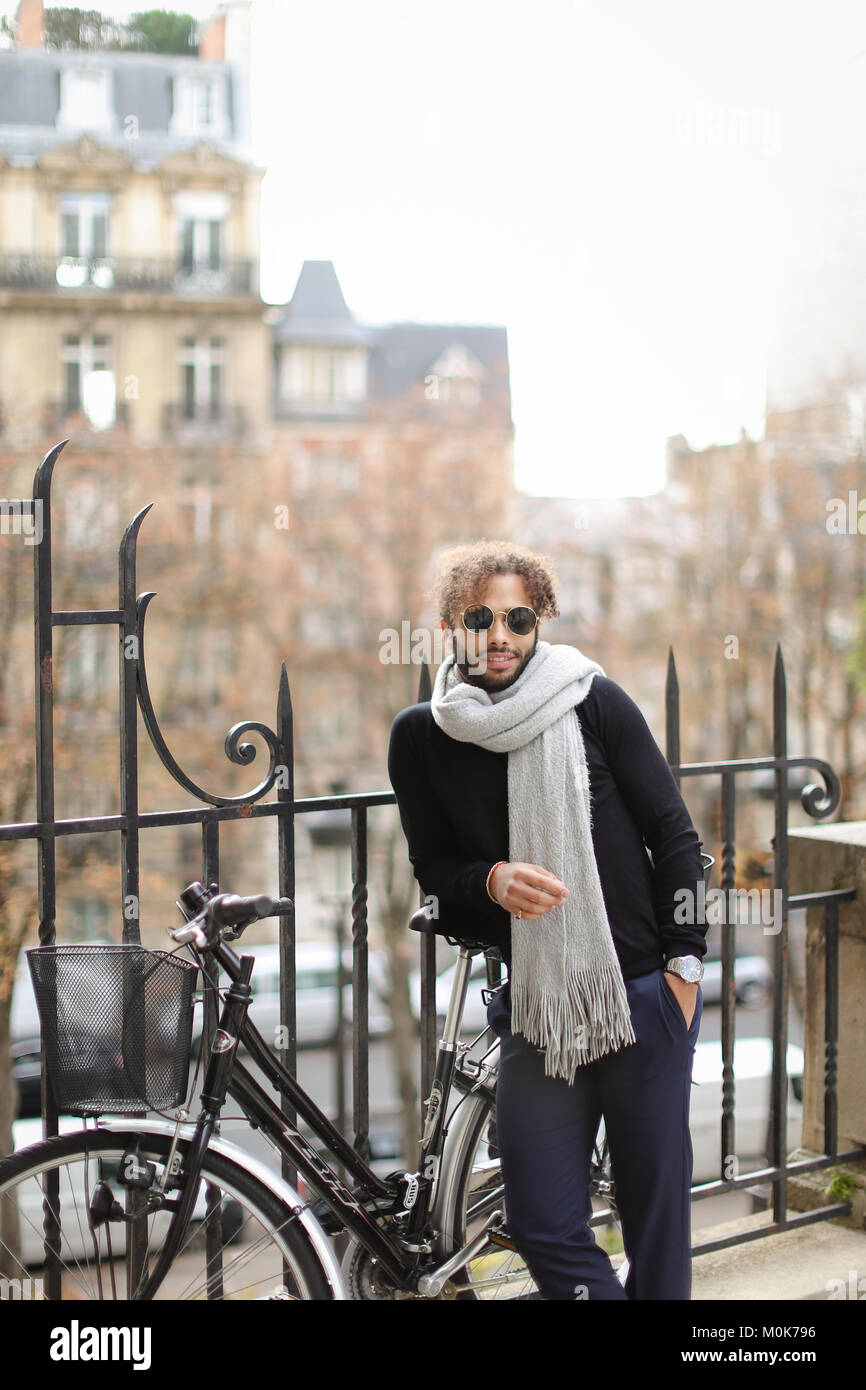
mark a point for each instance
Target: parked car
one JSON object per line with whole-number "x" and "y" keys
{"x": 753, "y": 981}
{"x": 315, "y": 995}
{"x": 753, "y": 1062}
{"x": 24, "y": 1024}
{"x": 24, "y": 1015}
{"x": 475, "y": 1011}
{"x": 27, "y": 1075}
{"x": 316, "y": 971}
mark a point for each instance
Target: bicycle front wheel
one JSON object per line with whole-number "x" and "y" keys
{"x": 260, "y": 1252}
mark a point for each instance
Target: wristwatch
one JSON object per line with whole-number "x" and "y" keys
{"x": 689, "y": 968}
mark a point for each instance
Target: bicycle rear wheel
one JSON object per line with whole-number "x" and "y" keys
{"x": 498, "y": 1272}
{"x": 473, "y": 1189}
{"x": 264, "y": 1252}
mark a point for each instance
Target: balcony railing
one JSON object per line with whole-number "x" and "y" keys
{"x": 180, "y": 421}
{"x": 120, "y": 274}
{"x": 58, "y": 414}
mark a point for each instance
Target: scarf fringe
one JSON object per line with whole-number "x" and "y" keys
{"x": 588, "y": 1020}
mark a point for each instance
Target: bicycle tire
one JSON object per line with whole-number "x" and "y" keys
{"x": 266, "y": 1254}
{"x": 472, "y": 1188}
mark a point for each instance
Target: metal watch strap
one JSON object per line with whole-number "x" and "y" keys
{"x": 692, "y": 971}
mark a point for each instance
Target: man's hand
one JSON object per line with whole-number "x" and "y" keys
{"x": 687, "y": 995}
{"x": 528, "y": 889}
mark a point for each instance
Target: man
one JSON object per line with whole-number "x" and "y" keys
{"x": 530, "y": 789}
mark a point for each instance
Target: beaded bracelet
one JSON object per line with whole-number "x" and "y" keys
{"x": 489, "y": 877}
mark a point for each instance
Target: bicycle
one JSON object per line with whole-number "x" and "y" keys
{"x": 437, "y": 1233}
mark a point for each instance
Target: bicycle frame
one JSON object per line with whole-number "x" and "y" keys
{"x": 225, "y": 1076}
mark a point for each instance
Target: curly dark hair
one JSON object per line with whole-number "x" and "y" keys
{"x": 465, "y": 569}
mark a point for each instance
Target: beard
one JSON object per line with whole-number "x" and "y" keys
{"x": 490, "y": 680}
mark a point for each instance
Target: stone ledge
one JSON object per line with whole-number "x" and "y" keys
{"x": 809, "y": 1190}
{"x": 809, "y": 1263}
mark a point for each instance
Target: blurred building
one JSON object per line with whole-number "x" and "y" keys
{"x": 132, "y": 322}
{"x": 390, "y": 443}
{"x": 306, "y": 468}
{"x": 129, "y": 242}
{"x": 742, "y": 550}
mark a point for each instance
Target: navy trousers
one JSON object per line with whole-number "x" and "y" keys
{"x": 546, "y": 1131}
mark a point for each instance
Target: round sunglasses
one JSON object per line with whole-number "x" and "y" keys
{"x": 479, "y": 618}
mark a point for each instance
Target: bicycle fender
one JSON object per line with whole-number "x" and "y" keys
{"x": 273, "y": 1181}
{"x": 457, "y": 1152}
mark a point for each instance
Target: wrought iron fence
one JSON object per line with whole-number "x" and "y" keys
{"x": 818, "y": 802}
{"x": 213, "y": 810}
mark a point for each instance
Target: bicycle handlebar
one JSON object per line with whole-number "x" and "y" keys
{"x": 224, "y": 911}
{"x": 228, "y": 910}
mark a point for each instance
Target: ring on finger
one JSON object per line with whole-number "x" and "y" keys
{"x": 519, "y": 914}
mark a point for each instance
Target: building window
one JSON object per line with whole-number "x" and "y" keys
{"x": 203, "y": 104}
{"x": 201, "y": 220}
{"x": 323, "y": 376}
{"x": 199, "y": 105}
{"x": 85, "y": 100}
{"x": 202, "y": 364}
{"x": 82, "y": 257}
{"x": 455, "y": 376}
{"x": 315, "y": 473}
{"x": 88, "y": 381}
{"x": 202, "y": 499}
{"x": 855, "y": 402}
{"x": 201, "y": 245}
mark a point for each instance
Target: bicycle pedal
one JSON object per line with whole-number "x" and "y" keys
{"x": 499, "y": 1235}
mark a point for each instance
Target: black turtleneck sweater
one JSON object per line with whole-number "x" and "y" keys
{"x": 453, "y": 801}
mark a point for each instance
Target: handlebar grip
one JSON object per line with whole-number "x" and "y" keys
{"x": 229, "y": 909}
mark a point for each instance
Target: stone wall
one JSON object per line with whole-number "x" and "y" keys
{"x": 822, "y": 858}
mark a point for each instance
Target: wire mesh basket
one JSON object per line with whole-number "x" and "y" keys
{"x": 116, "y": 1026}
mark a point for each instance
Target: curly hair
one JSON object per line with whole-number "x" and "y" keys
{"x": 466, "y": 568}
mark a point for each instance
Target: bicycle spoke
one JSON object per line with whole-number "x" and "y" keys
{"x": 519, "y": 1276}
{"x": 39, "y": 1232}
{"x": 236, "y": 1263}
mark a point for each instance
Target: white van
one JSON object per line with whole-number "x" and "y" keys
{"x": 753, "y": 1065}
{"x": 315, "y": 991}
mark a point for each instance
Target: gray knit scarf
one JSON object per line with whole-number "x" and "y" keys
{"x": 567, "y": 990}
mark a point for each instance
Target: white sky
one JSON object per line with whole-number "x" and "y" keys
{"x": 621, "y": 183}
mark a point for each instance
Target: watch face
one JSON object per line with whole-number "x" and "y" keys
{"x": 689, "y": 968}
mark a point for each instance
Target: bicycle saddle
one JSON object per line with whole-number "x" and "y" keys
{"x": 425, "y": 919}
